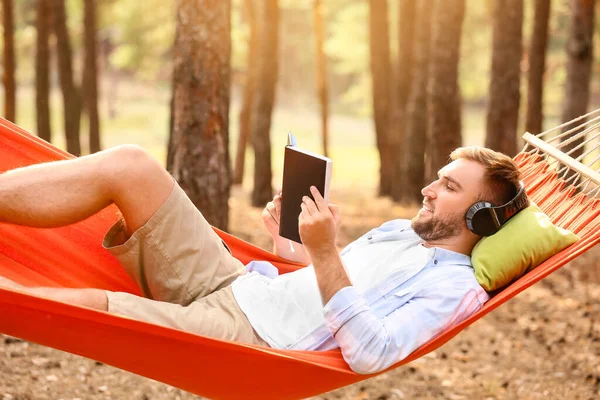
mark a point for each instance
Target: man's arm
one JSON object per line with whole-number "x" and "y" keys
{"x": 319, "y": 224}
{"x": 370, "y": 344}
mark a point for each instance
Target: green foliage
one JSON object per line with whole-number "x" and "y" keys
{"x": 240, "y": 33}
{"x": 141, "y": 36}
{"x": 348, "y": 47}
{"x": 476, "y": 51}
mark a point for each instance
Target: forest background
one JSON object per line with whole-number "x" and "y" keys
{"x": 135, "y": 43}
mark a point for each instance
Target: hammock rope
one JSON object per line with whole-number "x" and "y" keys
{"x": 73, "y": 257}
{"x": 587, "y": 137}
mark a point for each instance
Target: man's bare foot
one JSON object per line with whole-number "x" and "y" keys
{"x": 8, "y": 284}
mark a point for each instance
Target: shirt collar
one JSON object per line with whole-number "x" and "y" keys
{"x": 449, "y": 256}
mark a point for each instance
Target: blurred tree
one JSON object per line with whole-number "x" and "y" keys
{"x": 135, "y": 40}
{"x": 71, "y": 96}
{"x": 444, "y": 93}
{"x": 381, "y": 76}
{"x": 142, "y": 33}
{"x": 349, "y": 55}
{"x": 267, "y": 20}
{"x": 10, "y": 87}
{"x": 42, "y": 71}
{"x": 90, "y": 75}
{"x": 416, "y": 111}
{"x": 170, "y": 144}
{"x": 537, "y": 67}
{"x": 406, "y": 45}
{"x": 503, "y": 107}
{"x": 202, "y": 57}
{"x": 321, "y": 61}
{"x": 580, "y": 54}
{"x": 245, "y": 116}
{"x": 404, "y": 65}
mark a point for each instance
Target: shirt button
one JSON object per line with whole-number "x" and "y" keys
{"x": 370, "y": 237}
{"x": 435, "y": 262}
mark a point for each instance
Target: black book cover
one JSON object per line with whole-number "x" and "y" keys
{"x": 301, "y": 170}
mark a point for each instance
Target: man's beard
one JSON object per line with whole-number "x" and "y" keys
{"x": 436, "y": 228}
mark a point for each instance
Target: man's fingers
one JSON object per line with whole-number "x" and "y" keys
{"x": 272, "y": 211}
{"x": 335, "y": 210}
{"x": 277, "y": 204}
{"x": 321, "y": 204}
{"x": 304, "y": 214}
{"x": 305, "y": 209}
{"x": 310, "y": 205}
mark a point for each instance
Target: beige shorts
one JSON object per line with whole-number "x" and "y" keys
{"x": 184, "y": 270}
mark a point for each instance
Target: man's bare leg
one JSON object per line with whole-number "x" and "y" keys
{"x": 64, "y": 192}
{"x": 93, "y": 298}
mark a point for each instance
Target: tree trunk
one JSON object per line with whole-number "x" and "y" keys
{"x": 503, "y": 107}
{"x": 90, "y": 75}
{"x": 404, "y": 74}
{"x": 416, "y": 109}
{"x": 444, "y": 92}
{"x": 71, "y": 98}
{"x": 381, "y": 74}
{"x": 580, "y": 54}
{"x": 537, "y": 66}
{"x": 267, "y": 18}
{"x": 201, "y": 75}
{"x": 406, "y": 51}
{"x": 321, "y": 61}
{"x": 10, "y": 87}
{"x": 171, "y": 145}
{"x": 42, "y": 71}
{"x": 245, "y": 116}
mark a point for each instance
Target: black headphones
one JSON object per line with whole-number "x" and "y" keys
{"x": 484, "y": 219}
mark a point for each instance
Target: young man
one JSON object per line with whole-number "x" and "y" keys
{"x": 383, "y": 296}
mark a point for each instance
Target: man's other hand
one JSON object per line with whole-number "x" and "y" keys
{"x": 282, "y": 247}
{"x": 271, "y": 214}
{"x": 319, "y": 223}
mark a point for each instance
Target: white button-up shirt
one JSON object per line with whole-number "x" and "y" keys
{"x": 402, "y": 295}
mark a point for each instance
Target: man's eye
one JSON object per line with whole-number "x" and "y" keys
{"x": 450, "y": 188}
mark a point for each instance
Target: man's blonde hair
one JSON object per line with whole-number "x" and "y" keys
{"x": 502, "y": 175}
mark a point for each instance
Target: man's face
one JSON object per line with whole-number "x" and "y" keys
{"x": 447, "y": 200}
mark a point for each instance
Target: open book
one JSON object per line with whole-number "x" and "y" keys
{"x": 301, "y": 170}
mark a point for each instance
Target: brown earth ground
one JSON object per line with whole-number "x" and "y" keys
{"x": 543, "y": 344}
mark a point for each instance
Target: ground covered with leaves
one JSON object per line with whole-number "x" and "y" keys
{"x": 543, "y": 344}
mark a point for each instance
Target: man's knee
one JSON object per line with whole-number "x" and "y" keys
{"x": 131, "y": 164}
{"x": 139, "y": 184}
{"x": 129, "y": 157}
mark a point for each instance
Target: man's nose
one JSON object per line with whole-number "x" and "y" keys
{"x": 428, "y": 191}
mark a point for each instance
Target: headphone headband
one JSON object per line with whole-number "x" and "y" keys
{"x": 484, "y": 219}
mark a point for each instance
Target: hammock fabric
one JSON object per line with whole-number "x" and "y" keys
{"x": 72, "y": 256}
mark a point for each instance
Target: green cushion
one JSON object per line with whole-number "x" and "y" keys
{"x": 527, "y": 240}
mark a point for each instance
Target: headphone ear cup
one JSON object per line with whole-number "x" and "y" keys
{"x": 479, "y": 219}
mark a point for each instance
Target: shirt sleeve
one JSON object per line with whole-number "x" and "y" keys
{"x": 370, "y": 344}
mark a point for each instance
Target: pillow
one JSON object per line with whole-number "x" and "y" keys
{"x": 523, "y": 243}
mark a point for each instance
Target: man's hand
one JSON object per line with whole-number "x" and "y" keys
{"x": 319, "y": 223}
{"x": 282, "y": 247}
{"x": 271, "y": 214}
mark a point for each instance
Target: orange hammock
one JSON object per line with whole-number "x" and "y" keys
{"x": 72, "y": 256}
